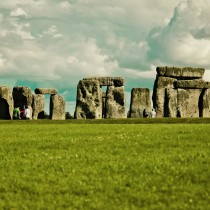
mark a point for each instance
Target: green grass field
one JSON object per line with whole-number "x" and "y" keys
{"x": 108, "y": 164}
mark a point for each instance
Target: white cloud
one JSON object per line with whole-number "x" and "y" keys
{"x": 18, "y": 12}
{"x": 57, "y": 43}
{"x": 52, "y": 31}
{"x": 185, "y": 40}
{"x": 22, "y": 30}
{"x": 88, "y": 59}
{"x": 65, "y": 5}
{"x": 151, "y": 73}
{"x": 207, "y": 75}
{"x": 2, "y": 61}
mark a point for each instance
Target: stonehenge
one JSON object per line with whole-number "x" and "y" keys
{"x": 177, "y": 92}
{"x": 181, "y": 92}
{"x": 93, "y": 103}
{"x": 22, "y": 96}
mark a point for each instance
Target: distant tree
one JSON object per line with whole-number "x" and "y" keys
{"x": 68, "y": 116}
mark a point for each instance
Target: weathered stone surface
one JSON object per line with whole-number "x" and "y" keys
{"x": 206, "y": 103}
{"x": 115, "y": 103}
{"x": 164, "y": 82}
{"x": 207, "y": 85}
{"x": 170, "y": 105}
{"x": 158, "y": 97}
{"x": 188, "y": 102}
{"x": 193, "y": 72}
{"x": 38, "y": 103}
{"x": 191, "y": 84}
{"x": 179, "y": 73}
{"x": 108, "y": 81}
{"x": 169, "y": 71}
{"x": 140, "y": 101}
{"x": 89, "y": 100}
{"x": 6, "y": 103}
{"x": 51, "y": 91}
{"x": 57, "y": 107}
{"x": 22, "y": 96}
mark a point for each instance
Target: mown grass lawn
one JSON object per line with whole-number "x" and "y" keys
{"x": 61, "y": 165}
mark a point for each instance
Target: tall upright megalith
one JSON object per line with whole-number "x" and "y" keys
{"x": 6, "y": 103}
{"x": 57, "y": 107}
{"x": 206, "y": 103}
{"x": 38, "y": 103}
{"x": 22, "y": 96}
{"x": 89, "y": 100}
{"x": 140, "y": 101}
{"x": 170, "y": 103}
{"x": 115, "y": 102}
{"x": 93, "y": 103}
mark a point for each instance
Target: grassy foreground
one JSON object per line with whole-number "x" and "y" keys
{"x": 104, "y": 166}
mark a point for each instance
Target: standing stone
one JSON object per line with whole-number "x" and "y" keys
{"x": 38, "y": 103}
{"x": 57, "y": 107}
{"x": 103, "y": 104}
{"x": 115, "y": 103}
{"x": 206, "y": 103}
{"x": 170, "y": 105}
{"x": 140, "y": 101}
{"x": 6, "y": 103}
{"x": 158, "y": 97}
{"x": 188, "y": 102}
{"x": 89, "y": 100}
{"x": 22, "y": 96}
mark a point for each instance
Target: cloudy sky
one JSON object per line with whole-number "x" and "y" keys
{"x": 55, "y": 43}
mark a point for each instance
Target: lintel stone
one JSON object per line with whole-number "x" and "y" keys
{"x": 180, "y": 73}
{"x": 108, "y": 81}
{"x": 51, "y": 91}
